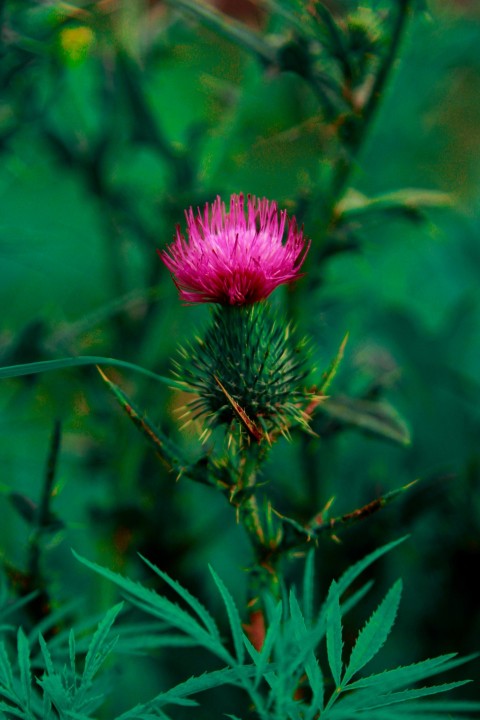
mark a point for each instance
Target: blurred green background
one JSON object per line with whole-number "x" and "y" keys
{"x": 114, "y": 117}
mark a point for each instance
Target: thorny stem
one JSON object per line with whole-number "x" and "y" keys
{"x": 341, "y": 177}
{"x": 248, "y": 511}
{"x": 361, "y": 118}
{"x": 43, "y": 511}
{"x": 367, "y": 112}
{"x": 263, "y": 576}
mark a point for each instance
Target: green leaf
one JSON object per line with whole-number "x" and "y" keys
{"x": 48, "y": 365}
{"x": 312, "y": 667}
{"x": 72, "y": 654}
{"x": 54, "y": 690}
{"x": 351, "y": 574}
{"x": 376, "y": 699}
{"x": 375, "y": 632}
{"x": 408, "y": 674}
{"x": 355, "y": 598}
{"x": 23, "y": 650}
{"x": 410, "y": 711}
{"x": 195, "y": 604}
{"x": 233, "y": 616}
{"x": 6, "y": 674}
{"x": 12, "y": 711}
{"x": 229, "y": 28}
{"x": 378, "y": 418}
{"x": 337, "y": 41}
{"x": 269, "y": 642}
{"x": 139, "y": 645}
{"x": 334, "y": 634}
{"x": 100, "y": 646}
{"x": 179, "y": 694}
{"x": 332, "y": 370}
{"x": 308, "y": 581}
{"x": 12, "y": 607}
{"x": 47, "y": 658}
{"x": 262, "y": 658}
{"x": 408, "y": 201}
{"x": 158, "y": 606}
{"x": 437, "y": 706}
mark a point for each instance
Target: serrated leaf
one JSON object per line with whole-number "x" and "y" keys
{"x": 378, "y": 418}
{"x": 351, "y": 574}
{"x": 158, "y": 606}
{"x": 12, "y": 711}
{"x": 375, "y": 632}
{"x": 6, "y": 673}
{"x": 444, "y": 706}
{"x": 334, "y": 634}
{"x": 269, "y": 642}
{"x": 136, "y": 714}
{"x": 72, "y": 654}
{"x": 141, "y": 644}
{"x": 101, "y": 645}
{"x": 53, "y": 688}
{"x": 192, "y": 601}
{"x": 375, "y": 699}
{"x": 233, "y": 616}
{"x": 408, "y": 674}
{"x": 312, "y": 668}
{"x": 179, "y": 694}
{"x": 308, "y": 581}
{"x": 410, "y": 711}
{"x": 23, "y": 650}
{"x": 47, "y": 658}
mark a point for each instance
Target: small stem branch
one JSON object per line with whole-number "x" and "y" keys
{"x": 404, "y": 10}
{"x": 367, "y": 112}
{"x": 300, "y": 536}
{"x": 43, "y": 511}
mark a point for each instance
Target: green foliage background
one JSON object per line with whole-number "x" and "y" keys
{"x": 113, "y": 119}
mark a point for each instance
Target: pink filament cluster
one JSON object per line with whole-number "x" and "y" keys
{"x": 237, "y": 257}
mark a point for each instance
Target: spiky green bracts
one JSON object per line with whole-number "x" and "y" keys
{"x": 248, "y": 370}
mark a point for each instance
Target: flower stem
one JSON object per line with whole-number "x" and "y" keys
{"x": 263, "y": 578}
{"x": 369, "y": 108}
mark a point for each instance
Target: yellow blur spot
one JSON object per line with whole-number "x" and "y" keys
{"x": 76, "y": 42}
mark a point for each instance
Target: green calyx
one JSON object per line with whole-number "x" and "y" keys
{"x": 247, "y": 369}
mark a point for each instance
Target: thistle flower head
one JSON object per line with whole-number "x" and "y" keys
{"x": 235, "y": 257}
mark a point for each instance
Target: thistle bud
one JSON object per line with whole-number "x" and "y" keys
{"x": 248, "y": 369}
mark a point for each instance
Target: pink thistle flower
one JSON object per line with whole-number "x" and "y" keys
{"x": 235, "y": 257}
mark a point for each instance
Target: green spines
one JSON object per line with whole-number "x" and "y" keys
{"x": 247, "y": 368}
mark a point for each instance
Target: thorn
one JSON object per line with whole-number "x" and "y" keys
{"x": 252, "y": 428}
{"x": 103, "y": 376}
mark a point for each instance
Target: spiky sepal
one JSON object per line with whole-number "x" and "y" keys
{"x": 247, "y": 370}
